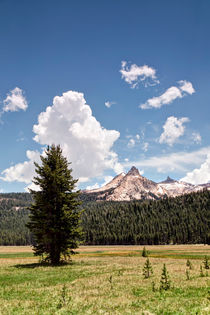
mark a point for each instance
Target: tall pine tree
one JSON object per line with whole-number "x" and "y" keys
{"x": 55, "y": 215}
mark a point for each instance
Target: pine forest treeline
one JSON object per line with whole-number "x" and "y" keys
{"x": 13, "y": 218}
{"x": 181, "y": 220}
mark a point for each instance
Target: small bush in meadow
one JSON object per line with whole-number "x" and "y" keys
{"x": 144, "y": 252}
{"x": 147, "y": 269}
{"x": 165, "y": 283}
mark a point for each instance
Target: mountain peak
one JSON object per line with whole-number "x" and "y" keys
{"x": 168, "y": 180}
{"x": 133, "y": 186}
{"x": 133, "y": 171}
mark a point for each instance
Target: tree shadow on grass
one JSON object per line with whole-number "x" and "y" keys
{"x": 37, "y": 265}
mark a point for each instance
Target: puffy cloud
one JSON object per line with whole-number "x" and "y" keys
{"x": 196, "y": 137}
{"x": 173, "y": 129}
{"x": 186, "y": 86}
{"x": 138, "y": 137}
{"x": 22, "y": 172}
{"x": 70, "y": 123}
{"x": 15, "y": 101}
{"x": 199, "y": 175}
{"x": 109, "y": 104}
{"x": 169, "y": 95}
{"x": 166, "y": 98}
{"x": 179, "y": 161}
{"x": 135, "y": 73}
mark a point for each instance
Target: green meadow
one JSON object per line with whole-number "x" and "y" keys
{"x": 104, "y": 280}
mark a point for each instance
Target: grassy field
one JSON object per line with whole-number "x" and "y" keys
{"x": 104, "y": 280}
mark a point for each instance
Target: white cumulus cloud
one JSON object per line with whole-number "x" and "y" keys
{"x": 169, "y": 95}
{"x": 133, "y": 74}
{"x": 199, "y": 175}
{"x": 173, "y": 129}
{"x": 70, "y": 123}
{"x": 22, "y": 172}
{"x": 15, "y": 101}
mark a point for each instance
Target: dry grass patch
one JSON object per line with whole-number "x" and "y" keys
{"x": 95, "y": 284}
{"x": 16, "y": 249}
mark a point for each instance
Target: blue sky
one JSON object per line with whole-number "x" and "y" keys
{"x": 132, "y": 83}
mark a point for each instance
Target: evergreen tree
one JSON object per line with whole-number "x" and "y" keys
{"x": 144, "y": 252}
{"x": 165, "y": 282}
{"x": 54, "y": 215}
{"x": 147, "y": 269}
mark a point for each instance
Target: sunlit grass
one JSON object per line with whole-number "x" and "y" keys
{"x": 96, "y": 283}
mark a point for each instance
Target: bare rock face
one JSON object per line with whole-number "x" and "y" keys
{"x": 112, "y": 184}
{"x": 176, "y": 188}
{"x": 130, "y": 186}
{"x": 133, "y": 186}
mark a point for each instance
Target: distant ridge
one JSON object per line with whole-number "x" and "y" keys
{"x": 134, "y": 186}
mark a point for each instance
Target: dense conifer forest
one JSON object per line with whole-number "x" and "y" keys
{"x": 13, "y": 217}
{"x": 180, "y": 220}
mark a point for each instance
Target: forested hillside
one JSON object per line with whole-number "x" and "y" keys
{"x": 13, "y": 217}
{"x": 184, "y": 219}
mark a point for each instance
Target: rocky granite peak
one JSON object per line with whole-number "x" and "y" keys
{"x": 133, "y": 186}
{"x": 133, "y": 171}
